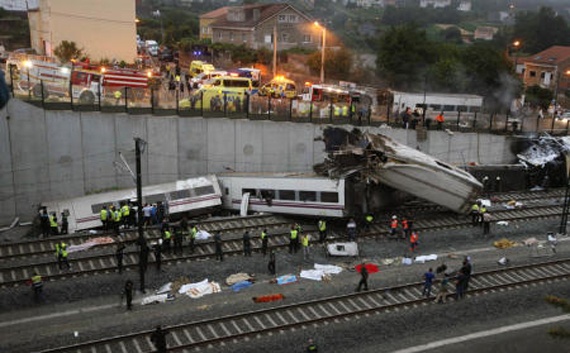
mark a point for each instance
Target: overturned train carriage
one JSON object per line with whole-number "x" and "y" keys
{"x": 193, "y": 196}
{"x": 378, "y": 159}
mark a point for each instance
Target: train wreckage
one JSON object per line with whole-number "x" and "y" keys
{"x": 372, "y": 159}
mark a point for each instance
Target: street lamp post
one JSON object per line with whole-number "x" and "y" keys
{"x": 555, "y": 100}
{"x": 28, "y": 64}
{"x": 516, "y": 46}
{"x": 324, "y": 44}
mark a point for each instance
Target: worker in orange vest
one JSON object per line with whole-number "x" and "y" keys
{"x": 439, "y": 119}
{"x": 394, "y": 226}
{"x": 405, "y": 227}
{"x": 413, "y": 241}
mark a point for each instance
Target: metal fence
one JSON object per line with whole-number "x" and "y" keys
{"x": 163, "y": 101}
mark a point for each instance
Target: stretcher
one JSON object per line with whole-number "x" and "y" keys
{"x": 342, "y": 249}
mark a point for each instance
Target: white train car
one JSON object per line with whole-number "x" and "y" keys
{"x": 407, "y": 169}
{"x": 194, "y": 195}
{"x": 286, "y": 193}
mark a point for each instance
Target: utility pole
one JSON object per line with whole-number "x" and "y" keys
{"x": 141, "y": 241}
{"x": 566, "y": 206}
{"x": 274, "y": 50}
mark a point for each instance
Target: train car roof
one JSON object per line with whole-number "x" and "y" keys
{"x": 300, "y": 175}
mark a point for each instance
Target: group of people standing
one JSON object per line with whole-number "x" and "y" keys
{"x": 461, "y": 279}
{"x": 49, "y": 224}
{"x": 480, "y": 216}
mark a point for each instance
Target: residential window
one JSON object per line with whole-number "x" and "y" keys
{"x": 244, "y": 37}
{"x": 232, "y": 36}
{"x": 542, "y": 74}
{"x": 285, "y": 37}
{"x": 532, "y": 73}
{"x": 282, "y": 18}
{"x": 293, "y": 18}
{"x": 307, "y": 38}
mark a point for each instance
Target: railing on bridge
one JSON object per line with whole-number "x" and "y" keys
{"x": 164, "y": 101}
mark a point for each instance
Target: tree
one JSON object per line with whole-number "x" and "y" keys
{"x": 541, "y": 30}
{"x": 538, "y": 96}
{"x": 66, "y": 51}
{"x": 404, "y": 54}
{"x": 338, "y": 63}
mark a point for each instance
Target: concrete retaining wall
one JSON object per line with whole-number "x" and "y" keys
{"x": 50, "y": 155}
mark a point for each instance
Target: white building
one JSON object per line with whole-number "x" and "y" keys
{"x": 19, "y": 5}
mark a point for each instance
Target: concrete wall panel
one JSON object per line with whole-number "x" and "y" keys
{"x": 29, "y": 157}
{"x": 8, "y": 203}
{"x": 127, "y": 127}
{"x": 162, "y": 150}
{"x": 99, "y": 151}
{"x": 192, "y": 147}
{"x": 221, "y": 145}
{"x": 64, "y": 161}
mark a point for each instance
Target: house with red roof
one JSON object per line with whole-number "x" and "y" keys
{"x": 254, "y": 25}
{"x": 548, "y": 69}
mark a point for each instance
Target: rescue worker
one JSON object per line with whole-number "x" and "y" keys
{"x": 394, "y": 226}
{"x": 312, "y": 346}
{"x": 128, "y": 293}
{"x": 413, "y": 241}
{"x": 178, "y": 238}
{"x": 61, "y": 253}
{"x": 37, "y": 287}
{"x": 271, "y": 264}
{"x": 264, "y": 241}
{"x": 117, "y": 94}
{"x": 53, "y": 224}
{"x": 293, "y": 240}
{"x": 64, "y": 224}
{"x": 368, "y": 220}
{"x": 158, "y": 338}
{"x": 117, "y": 221}
{"x": 439, "y": 119}
{"x": 305, "y": 238}
{"x": 363, "y": 277}
{"x": 322, "y": 225}
{"x": 218, "y": 243}
{"x": 104, "y": 216}
{"x": 482, "y": 211}
{"x": 475, "y": 213}
{"x": 246, "y": 244}
{"x": 119, "y": 254}
{"x": 192, "y": 235}
{"x": 167, "y": 236}
{"x": 405, "y": 227}
{"x": 44, "y": 223}
{"x": 157, "y": 249}
{"x": 125, "y": 215}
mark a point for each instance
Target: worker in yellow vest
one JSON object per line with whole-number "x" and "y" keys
{"x": 167, "y": 236}
{"x": 104, "y": 215}
{"x": 305, "y": 238}
{"x": 322, "y": 225}
{"x": 294, "y": 240}
{"x": 125, "y": 214}
{"x": 117, "y": 220}
{"x": 117, "y": 94}
{"x": 53, "y": 224}
{"x": 193, "y": 234}
{"x": 61, "y": 253}
{"x": 37, "y": 287}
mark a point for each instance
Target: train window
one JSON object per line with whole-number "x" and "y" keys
{"x": 226, "y": 191}
{"x": 461, "y": 108}
{"x": 267, "y": 194}
{"x": 179, "y": 194}
{"x": 154, "y": 198}
{"x": 287, "y": 195}
{"x": 204, "y": 190}
{"x": 307, "y": 196}
{"x": 448, "y": 108}
{"x": 252, "y": 192}
{"x": 98, "y": 207}
{"x": 329, "y": 197}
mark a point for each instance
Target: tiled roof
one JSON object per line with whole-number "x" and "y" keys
{"x": 266, "y": 11}
{"x": 551, "y": 56}
{"x": 222, "y": 11}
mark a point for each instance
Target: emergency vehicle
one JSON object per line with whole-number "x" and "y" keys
{"x": 83, "y": 80}
{"x": 279, "y": 87}
{"x": 88, "y": 82}
{"x": 30, "y": 72}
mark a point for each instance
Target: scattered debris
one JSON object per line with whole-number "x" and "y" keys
{"x": 157, "y": 299}
{"x": 504, "y": 243}
{"x": 268, "y": 298}
{"x": 90, "y": 243}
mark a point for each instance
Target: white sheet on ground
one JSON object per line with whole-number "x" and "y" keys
{"x": 329, "y": 269}
{"x": 154, "y": 299}
{"x": 425, "y": 258}
{"x": 165, "y": 289}
{"x": 199, "y": 289}
{"x": 89, "y": 244}
{"x": 202, "y": 235}
{"x": 320, "y": 271}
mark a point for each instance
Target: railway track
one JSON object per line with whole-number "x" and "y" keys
{"x": 46, "y": 247}
{"x": 200, "y": 335}
{"x": 90, "y": 264}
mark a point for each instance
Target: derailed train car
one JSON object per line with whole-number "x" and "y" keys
{"x": 193, "y": 195}
{"x": 378, "y": 159}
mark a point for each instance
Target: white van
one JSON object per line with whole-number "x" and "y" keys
{"x": 151, "y": 47}
{"x": 198, "y": 80}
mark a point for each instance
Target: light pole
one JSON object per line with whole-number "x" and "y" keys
{"x": 324, "y": 44}
{"x": 516, "y": 45}
{"x": 28, "y": 65}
